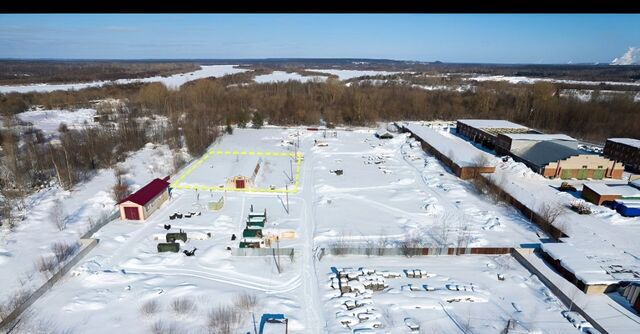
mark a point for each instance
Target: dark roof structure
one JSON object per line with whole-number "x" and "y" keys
{"x": 148, "y": 192}
{"x": 542, "y": 153}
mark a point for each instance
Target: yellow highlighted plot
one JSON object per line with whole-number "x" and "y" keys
{"x": 292, "y": 189}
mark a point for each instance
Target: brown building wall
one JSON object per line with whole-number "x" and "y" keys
{"x": 628, "y": 155}
{"x": 596, "y": 198}
{"x": 476, "y": 135}
{"x": 503, "y": 145}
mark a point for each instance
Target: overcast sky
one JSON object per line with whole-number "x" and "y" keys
{"x": 448, "y": 38}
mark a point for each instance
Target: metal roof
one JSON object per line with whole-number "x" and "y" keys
{"x": 538, "y": 136}
{"x": 491, "y": 124}
{"x": 615, "y": 189}
{"x": 627, "y": 141}
{"x": 148, "y": 192}
{"x": 544, "y": 152}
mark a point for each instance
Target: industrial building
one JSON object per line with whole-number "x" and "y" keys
{"x": 632, "y": 294}
{"x": 561, "y": 158}
{"x": 486, "y": 131}
{"x": 625, "y": 150}
{"x": 506, "y": 142}
{"x": 142, "y": 203}
{"x": 599, "y": 193}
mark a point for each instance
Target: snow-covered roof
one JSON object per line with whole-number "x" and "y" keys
{"x": 148, "y": 192}
{"x": 545, "y": 152}
{"x": 458, "y": 150}
{"x": 629, "y": 203}
{"x": 627, "y": 141}
{"x": 383, "y": 132}
{"x": 538, "y": 136}
{"x": 614, "y": 189}
{"x": 577, "y": 263}
{"x": 491, "y": 124}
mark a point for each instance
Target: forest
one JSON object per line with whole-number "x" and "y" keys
{"x": 30, "y": 72}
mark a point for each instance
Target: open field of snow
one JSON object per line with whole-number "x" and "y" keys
{"x": 529, "y": 80}
{"x": 173, "y": 81}
{"x": 281, "y": 76}
{"x": 49, "y": 120}
{"x": 350, "y": 74}
{"x": 460, "y": 294}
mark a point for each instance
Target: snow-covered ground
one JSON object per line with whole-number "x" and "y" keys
{"x": 49, "y": 120}
{"x": 173, "y": 81}
{"x": 529, "y": 80}
{"x": 281, "y": 76}
{"x": 586, "y": 94}
{"x": 389, "y": 189}
{"x": 397, "y": 196}
{"x": 350, "y": 74}
{"x": 88, "y": 201}
{"x": 483, "y": 303}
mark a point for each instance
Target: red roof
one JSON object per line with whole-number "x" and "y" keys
{"x": 148, "y": 192}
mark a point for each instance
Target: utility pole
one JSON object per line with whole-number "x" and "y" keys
{"x": 286, "y": 195}
{"x": 291, "y": 170}
{"x": 278, "y": 249}
{"x": 255, "y": 329}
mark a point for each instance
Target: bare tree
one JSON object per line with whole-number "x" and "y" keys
{"x": 57, "y": 215}
{"x": 411, "y": 244}
{"x": 121, "y": 189}
{"x": 443, "y": 228}
{"x": 551, "y": 211}
{"x": 481, "y": 160}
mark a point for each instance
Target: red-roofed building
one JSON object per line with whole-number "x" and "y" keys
{"x": 142, "y": 203}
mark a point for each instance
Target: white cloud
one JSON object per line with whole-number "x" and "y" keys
{"x": 631, "y": 57}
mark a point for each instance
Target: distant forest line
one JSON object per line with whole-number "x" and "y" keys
{"x": 65, "y": 71}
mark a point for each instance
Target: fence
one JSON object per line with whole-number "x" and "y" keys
{"x": 566, "y": 300}
{"x": 534, "y": 217}
{"x": 377, "y": 251}
{"x": 263, "y": 251}
{"x": 100, "y": 223}
{"x": 476, "y": 174}
{"x": 86, "y": 246}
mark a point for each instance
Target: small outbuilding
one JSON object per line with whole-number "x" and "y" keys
{"x": 142, "y": 203}
{"x": 383, "y": 133}
{"x": 247, "y": 170}
{"x": 628, "y": 207}
{"x": 599, "y": 193}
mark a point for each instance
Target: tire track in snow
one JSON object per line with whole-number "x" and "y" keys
{"x": 245, "y": 281}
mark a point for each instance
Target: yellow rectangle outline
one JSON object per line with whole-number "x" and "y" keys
{"x": 176, "y": 184}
